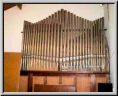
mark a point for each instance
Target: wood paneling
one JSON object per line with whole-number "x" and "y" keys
{"x": 100, "y": 80}
{"x": 30, "y": 82}
{"x": 92, "y": 83}
{"x": 52, "y": 80}
{"x": 11, "y": 71}
{"x": 53, "y": 88}
{"x": 37, "y": 80}
{"x": 67, "y": 80}
{"x": 107, "y": 78}
{"x": 23, "y": 82}
{"x": 83, "y": 84}
{"x": 60, "y": 73}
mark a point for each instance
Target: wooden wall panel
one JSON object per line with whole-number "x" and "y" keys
{"x": 52, "y": 80}
{"x": 11, "y": 71}
{"x": 83, "y": 84}
{"x": 66, "y": 80}
{"x": 100, "y": 80}
{"x": 23, "y": 83}
{"x": 37, "y": 80}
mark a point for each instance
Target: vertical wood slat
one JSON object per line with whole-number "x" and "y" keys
{"x": 75, "y": 82}
{"x": 92, "y": 82}
{"x": 60, "y": 79}
{"x": 45, "y": 80}
{"x": 30, "y": 82}
{"x": 107, "y": 78}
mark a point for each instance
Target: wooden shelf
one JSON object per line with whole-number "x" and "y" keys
{"x": 59, "y": 73}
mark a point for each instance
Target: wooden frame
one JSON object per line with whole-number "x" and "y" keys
{"x": 90, "y": 74}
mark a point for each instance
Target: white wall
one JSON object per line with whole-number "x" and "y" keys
{"x": 109, "y": 24}
{"x": 14, "y": 19}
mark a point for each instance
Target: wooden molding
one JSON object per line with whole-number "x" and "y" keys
{"x": 19, "y": 6}
{"x": 92, "y": 83}
{"x": 30, "y": 82}
{"x": 60, "y": 73}
{"x": 8, "y": 6}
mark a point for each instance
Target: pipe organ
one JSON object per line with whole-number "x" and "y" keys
{"x": 64, "y": 42}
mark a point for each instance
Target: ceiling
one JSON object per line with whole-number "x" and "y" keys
{"x": 8, "y": 6}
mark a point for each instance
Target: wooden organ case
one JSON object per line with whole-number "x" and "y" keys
{"x": 64, "y": 53}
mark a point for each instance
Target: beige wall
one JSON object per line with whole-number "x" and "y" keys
{"x": 14, "y": 18}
